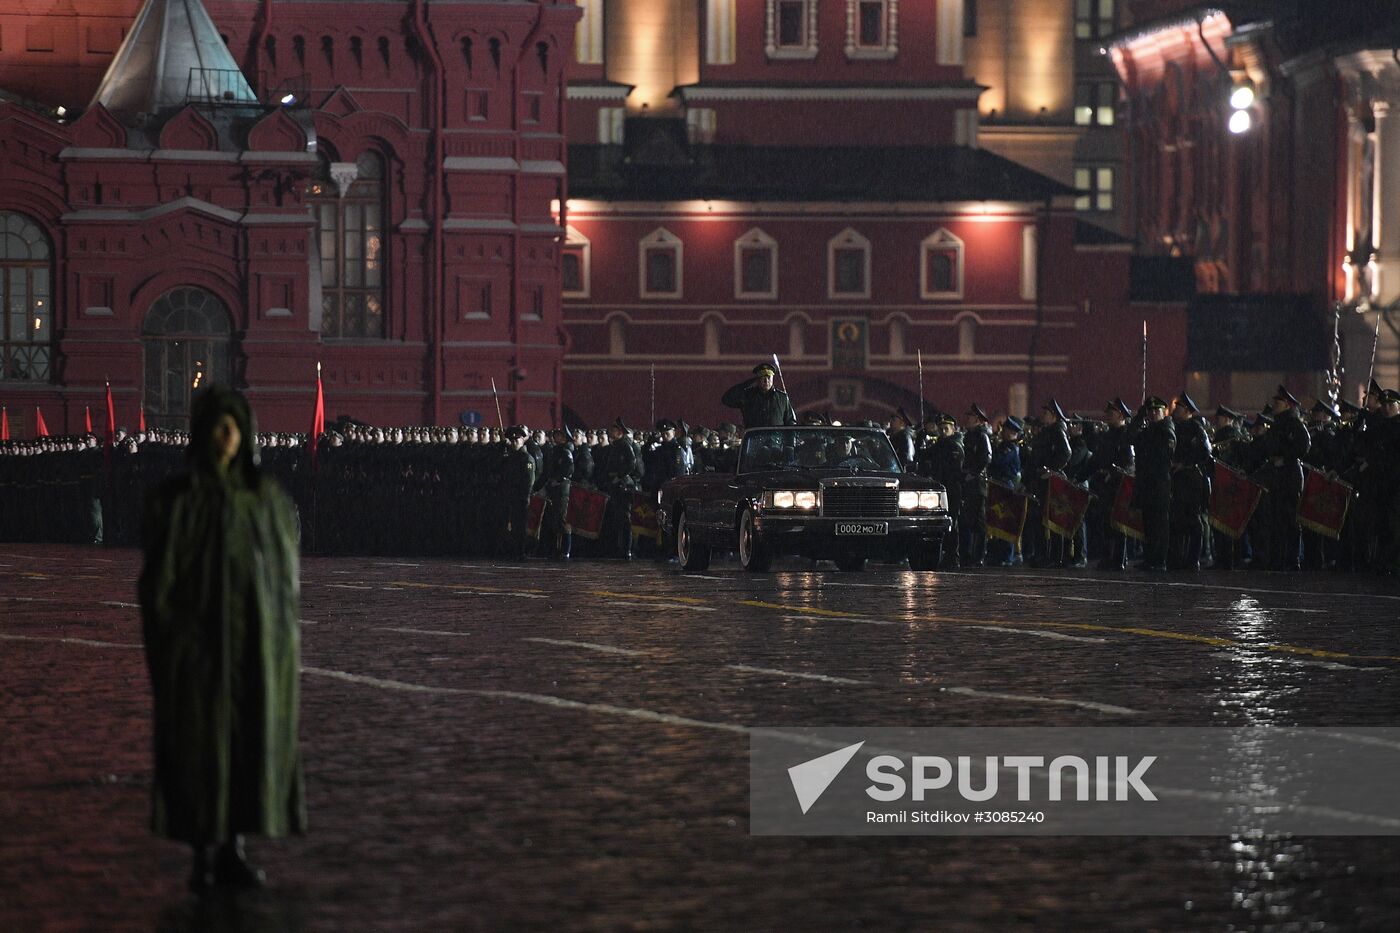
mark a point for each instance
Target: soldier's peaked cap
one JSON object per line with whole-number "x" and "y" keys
{"x": 1014, "y": 423}
{"x": 1374, "y": 388}
{"x": 1054, "y": 408}
{"x": 1119, "y": 406}
{"x": 1222, "y": 411}
{"x": 515, "y": 431}
{"x": 1351, "y": 407}
{"x": 1187, "y": 402}
{"x": 764, "y": 369}
{"x": 620, "y": 425}
{"x": 1155, "y": 402}
{"x": 903, "y": 415}
{"x": 1283, "y": 395}
{"x": 1388, "y": 396}
{"x": 976, "y": 411}
{"x": 665, "y": 424}
{"x": 1321, "y": 406}
{"x": 1263, "y": 418}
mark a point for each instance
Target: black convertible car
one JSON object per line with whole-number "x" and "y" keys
{"x": 822, "y": 492}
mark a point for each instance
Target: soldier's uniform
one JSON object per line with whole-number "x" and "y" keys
{"x": 1324, "y": 455}
{"x": 1005, "y": 468}
{"x": 977, "y": 456}
{"x": 1111, "y": 461}
{"x": 761, "y": 408}
{"x": 1154, "y": 443}
{"x": 555, "y": 541}
{"x": 518, "y": 480}
{"x": 1281, "y": 473}
{"x": 1229, "y": 447}
{"x": 1050, "y": 452}
{"x": 901, "y": 434}
{"x": 1192, "y": 469}
{"x": 942, "y": 461}
{"x": 620, "y": 474}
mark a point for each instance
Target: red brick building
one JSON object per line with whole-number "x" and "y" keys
{"x": 244, "y": 192}
{"x": 803, "y": 178}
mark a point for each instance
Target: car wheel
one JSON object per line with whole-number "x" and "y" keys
{"x": 926, "y": 555}
{"x": 691, "y": 554}
{"x": 850, "y": 563}
{"x": 754, "y": 555}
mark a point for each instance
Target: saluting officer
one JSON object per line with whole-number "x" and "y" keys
{"x": 901, "y": 433}
{"x": 518, "y": 479}
{"x": 762, "y": 405}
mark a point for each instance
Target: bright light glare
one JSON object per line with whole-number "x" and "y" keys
{"x": 1240, "y": 122}
{"x": 805, "y": 500}
{"x": 1242, "y": 97}
{"x": 908, "y": 499}
{"x": 288, "y": 99}
{"x": 782, "y": 500}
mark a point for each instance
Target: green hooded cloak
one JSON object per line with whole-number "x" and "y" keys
{"x": 220, "y": 594}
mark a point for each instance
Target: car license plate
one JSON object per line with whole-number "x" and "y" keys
{"x": 862, "y": 528}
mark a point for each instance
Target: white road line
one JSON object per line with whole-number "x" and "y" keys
{"x": 349, "y": 586}
{"x": 1030, "y": 698}
{"x": 123, "y": 605}
{"x": 670, "y": 719}
{"x": 700, "y": 576}
{"x": 668, "y": 606}
{"x": 30, "y": 599}
{"x": 588, "y": 646}
{"x": 824, "y": 678}
{"x": 1178, "y": 583}
{"x": 70, "y": 641}
{"x": 395, "y": 563}
{"x": 1259, "y": 609}
{"x": 817, "y": 618}
{"x": 308, "y": 622}
{"x": 1056, "y": 596}
{"x": 1057, "y": 636}
{"x": 426, "y": 631}
{"x": 1257, "y": 657}
{"x": 501, "y": 593}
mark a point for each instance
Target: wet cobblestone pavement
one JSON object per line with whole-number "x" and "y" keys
{"x": 548, "y": 746}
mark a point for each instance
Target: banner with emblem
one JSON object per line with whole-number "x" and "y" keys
{"x": 644, "y": 517}
{"x": 534, "y": 516}
{"x": 584, "y": 516}
{"x": 1124, "y": 518}
{"x": 1233, "y": 499}
{"x": 1323, "y": 506}
{"x": 1006, "y": 512}
{"x": 1065, "y": 506}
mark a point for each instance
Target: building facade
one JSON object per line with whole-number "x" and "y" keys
{"x": 245, "y": 192}
{"x": 805, "y": 179}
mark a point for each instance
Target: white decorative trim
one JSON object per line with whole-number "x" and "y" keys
{"x": 949, "y": 32}
{"x": 98, "y": 311}
{"x": 755, "y": 238}
{"x": 277, "y": 312}
{"x": 807, "y": 50}
{"x": 662, "y": 238}
{"x": 700, "y": 92}
{"x": 846, "y": 239}
{"x": 889, "y": 48}
{"x": 598, "y": 91}
{"x": 941, "y": 239}
{"x": 344, "y": 175}
{"x": 573, "y": 240}
{"x": 480, "y": 164}
{"x": 542, "y": 167}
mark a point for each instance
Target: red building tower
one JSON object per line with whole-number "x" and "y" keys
{"x": 802, "y": 177}
{"x": 239, "y": 192}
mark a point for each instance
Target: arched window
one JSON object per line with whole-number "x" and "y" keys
{"x": 898, "y": 333}
{"x": 617, "y": 337}
{"x": 659, "y": 257}
{"x": 185, "y": 337}
{"x": 26, "y": 334}
{"x": 347, "y": 201}
{"x": 967, "y": 337}
{"x": 755, "y": 265}
{"x": 588, "y": 33}
{"x": 848, "y": 265}
{"x": 941, "y": 266}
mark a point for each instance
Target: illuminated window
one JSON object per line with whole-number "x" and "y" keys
{"x": 574, "y": 263}
{"x": 719, "y": 32}
{"x": 755, "y": 265}
{"x": 660, "y": 265}
{"x": 1093, "y": 19}
{"x": 848, "y": 261}
{"x": 1095, "y": 103}
{"x": 941, "y": 266}
{"x": 185, "y": 345}
{"x": 1096, "y": 188}
{"x": 588, "y": 33}
{"x": 791, "y": 28}
{"x": 26, "y": 334}
{"x": 700, "y": 124}
{"x": 611, "y": 121}
{"x": 351, "y": 243}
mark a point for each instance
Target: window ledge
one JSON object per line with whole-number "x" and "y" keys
{"x": 856, "y": 53}
{"x": 792, "y": 54}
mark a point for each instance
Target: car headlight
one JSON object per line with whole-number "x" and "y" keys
{"x": 792, "y": 499}
{"x": 908, "y": 500}
{"x": 930, "y": 500}
{"x": 783, "y": 499}
{"x": 805, "y": 500}
{"x": 911, "y": 500}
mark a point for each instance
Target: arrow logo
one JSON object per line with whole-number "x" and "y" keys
{"x": 811, "y": 778}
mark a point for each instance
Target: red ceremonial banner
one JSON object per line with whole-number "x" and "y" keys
{"x": 1125, "y": 519}
{"x": 584, "y": 516}
{"x": 1065, "y": 506}
{"x": 1006, "y": 512}
{"x": 1323, "y": 506}
{"x": 534, "y": 516}
{"x": 1233, "y": 499}
{"x": 644, "y": 517}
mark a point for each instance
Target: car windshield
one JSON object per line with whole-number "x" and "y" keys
{"x": 817, "y": 449}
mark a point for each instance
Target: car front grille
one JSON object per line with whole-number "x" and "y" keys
{"x": 860, "y": 502}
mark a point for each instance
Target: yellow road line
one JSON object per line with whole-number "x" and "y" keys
{"x": 650, "y": 598}
{"x": 473, "y": 587}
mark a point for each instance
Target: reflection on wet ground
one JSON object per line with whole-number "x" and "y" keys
{"x": 564, "y": 746}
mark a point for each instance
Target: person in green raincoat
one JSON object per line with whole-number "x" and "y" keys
{"x": 219, "y": 603}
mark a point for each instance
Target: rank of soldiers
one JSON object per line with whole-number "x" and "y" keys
{"x": 1160, "y": 485}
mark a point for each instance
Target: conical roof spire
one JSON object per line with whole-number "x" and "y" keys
{"x": 172, "y": 56}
